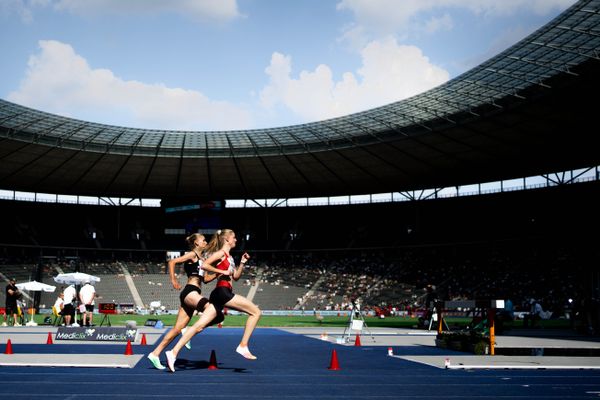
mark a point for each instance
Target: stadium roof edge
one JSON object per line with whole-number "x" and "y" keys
{"x": 523, "y": 112}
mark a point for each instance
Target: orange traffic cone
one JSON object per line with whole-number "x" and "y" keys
{"x": 219, "y": 325}
{"x": 212, "y": 364}
{"x": 128, "y": 349}
{"x": 357, "y": 340}
{"x": 144, "y": 339}
{"x": 334, "y": 365}
{"x": 8, "y": 348}
{"x": 49, "y": 340}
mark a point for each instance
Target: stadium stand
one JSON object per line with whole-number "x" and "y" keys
{"x": 522, "y": 245}
{"x": 522, "y": 113}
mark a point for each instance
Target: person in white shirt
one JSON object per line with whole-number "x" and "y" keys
{"x": 87, "y": 294}
{"x": 69, "y": 308}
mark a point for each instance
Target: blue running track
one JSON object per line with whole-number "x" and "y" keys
{"x": 289, "y": 366}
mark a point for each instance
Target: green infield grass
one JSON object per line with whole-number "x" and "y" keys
{"x": 301, "y": 321}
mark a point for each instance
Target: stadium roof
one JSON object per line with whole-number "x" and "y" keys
{"x": 529, "y": 110}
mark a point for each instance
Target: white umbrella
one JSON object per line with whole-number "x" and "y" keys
{"x": 34, "y": 286}
{"x": 75, "y": 278}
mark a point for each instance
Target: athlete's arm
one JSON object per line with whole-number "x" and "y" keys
{"x": 207, "y": 264}
{"x": 187, "y": 256}
{"x": 238, "y": 271}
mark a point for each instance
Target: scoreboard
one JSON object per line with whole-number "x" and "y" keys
{"x": 107, "y": 308}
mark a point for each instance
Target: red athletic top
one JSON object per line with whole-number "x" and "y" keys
{"x": 226, "y": 264}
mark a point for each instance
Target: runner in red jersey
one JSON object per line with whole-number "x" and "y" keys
{"x": 222, "y": 296}
{"x": 191, "y": 298}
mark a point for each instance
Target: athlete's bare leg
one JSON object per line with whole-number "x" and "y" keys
{"x": 240, "y": 303}
{"x": 207, "y": 316}
{"x": 182, "y": 320}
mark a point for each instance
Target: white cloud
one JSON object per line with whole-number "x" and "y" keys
{"x": 394, "y": 13}
{"x": 389, "y": 72}
{"x": 380, "y": 17}
{"x": 355, "y": 36}
{"x": 60, "y": 81}
{"x": 23, "y": 8}
{"x": 207, "y": 10}
{"x": 219, "y": 10}
{"x": 435, "y": 24}
{"x": 508, "y": 7}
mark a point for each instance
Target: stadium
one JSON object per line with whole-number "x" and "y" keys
{"x": 483, "y": 188}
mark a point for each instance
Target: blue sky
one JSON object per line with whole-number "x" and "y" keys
{"x": 245, "y": 64}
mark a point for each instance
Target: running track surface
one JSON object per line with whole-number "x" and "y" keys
{"x": 290, "y": 366}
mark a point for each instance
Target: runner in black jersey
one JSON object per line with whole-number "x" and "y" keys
{"x": 218, "y": 254}
{"x": 190, "y": 297}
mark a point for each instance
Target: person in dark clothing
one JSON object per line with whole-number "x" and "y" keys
{"x": 12, "y": 295}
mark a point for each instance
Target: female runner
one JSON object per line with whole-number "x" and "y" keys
{"x": 190, "y": 298}
{"x": 222, "y": 296}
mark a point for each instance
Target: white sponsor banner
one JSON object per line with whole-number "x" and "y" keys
{"x": 94, "y": 334}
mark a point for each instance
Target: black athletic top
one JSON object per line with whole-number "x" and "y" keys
{"x": 194, "y": 268}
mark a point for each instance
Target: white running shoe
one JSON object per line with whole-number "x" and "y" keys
{"x": 245, "y": 352}
{"x": 171, "y": 360}
{"x": 155, "y": 361}
{"x": 188, "y": 345}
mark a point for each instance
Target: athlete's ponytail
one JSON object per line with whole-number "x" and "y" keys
{"x": 218, "y": 240}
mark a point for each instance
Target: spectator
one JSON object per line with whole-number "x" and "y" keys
{"x": 87, "y": 294}
{"x": 535, "y": 314}
{"x": 12, "y": 295}
{"x": 69, "y": 307}
{"x": 431, "y": 297}
{"x": 59, "y": 303}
